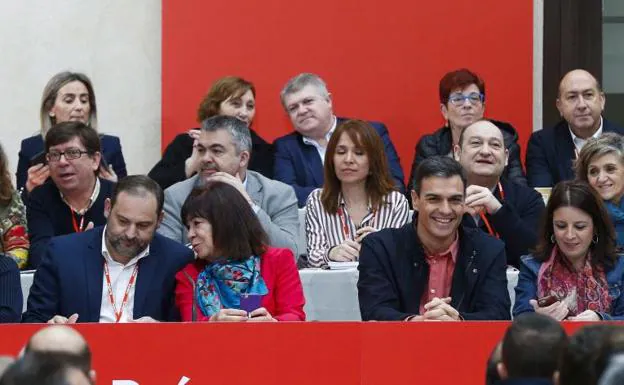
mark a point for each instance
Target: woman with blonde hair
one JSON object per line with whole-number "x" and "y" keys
{"x": 68, "y": 96}
{"x": 231, "y": 96}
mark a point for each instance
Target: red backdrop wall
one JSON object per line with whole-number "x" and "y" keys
{"x": 312, "y": 353}
{"x": 382, "y": 60}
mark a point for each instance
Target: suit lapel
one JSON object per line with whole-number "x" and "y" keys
{"x": 254, "y": 189}
{"x": 145, "y": 276}
{"x": 312, "y": 162}
{"x": 465, "y": 274}
{"x": 94, "y": 273}
{"x": 564, "y": 148}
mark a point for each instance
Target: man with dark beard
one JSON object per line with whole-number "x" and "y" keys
{"x": 121, "y": 272}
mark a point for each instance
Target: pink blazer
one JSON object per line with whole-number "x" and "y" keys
{"x": 278, "y": 269}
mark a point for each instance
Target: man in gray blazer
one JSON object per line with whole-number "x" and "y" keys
{"x": 224, "y": 145}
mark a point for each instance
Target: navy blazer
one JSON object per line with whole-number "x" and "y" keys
{"x": 517, "y": 221}
{"x": 69, "y": 279}
{"x": 111, "y": 151}
{"x": 299, "y": 165}
{"x": 394, "y": 273}
{"x": 550, "y": 154}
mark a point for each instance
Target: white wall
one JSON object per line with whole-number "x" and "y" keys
{"x": 117, "y": 43}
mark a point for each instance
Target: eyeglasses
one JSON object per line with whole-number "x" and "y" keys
{"x": 473, "y": 97}
{"x": 70, "y": 154}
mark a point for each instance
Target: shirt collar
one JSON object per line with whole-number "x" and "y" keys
{"x": 94, "y": 195}
{"x": 341, "y": 202}
{"x": 110, "y": 259}
{"x": 313, "y": 142}
{"x": 580, "y": 142}
{"x": 453, "y": 250}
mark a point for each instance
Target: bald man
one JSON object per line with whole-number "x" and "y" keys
{"x": 63, "y": 340}
{"x": 498, "y": 206}
{"x": 551, "y": 152}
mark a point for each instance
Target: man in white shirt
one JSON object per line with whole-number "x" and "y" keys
{"x": 300, "y": 155}
{"x": 552, "y": 151}
{"x": 121, "y": 272}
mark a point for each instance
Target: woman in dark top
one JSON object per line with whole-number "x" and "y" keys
{"x": 232, "y": 96}
{"x": 462, "y": 101}
{"x": 11, "y": 302}
{"x": 68, "y": 96}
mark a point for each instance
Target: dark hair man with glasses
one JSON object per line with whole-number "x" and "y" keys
{"x": 72, "y": 200}
{"x": 462, "y": 102}
{"x": 551, "y": 152}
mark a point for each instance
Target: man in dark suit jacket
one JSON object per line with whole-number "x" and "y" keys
{"x": 119, "y": 273}
{"x": 299, "y": 156}
{"x": 551, "y": 152}
{"x": 433, "y": 269}
{"x": 498, "y": 206}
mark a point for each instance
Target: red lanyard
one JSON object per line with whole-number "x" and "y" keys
{"x": 77, "y": 229}
{"x": 346, "y": 231}
{"x": 111, "y": 296}
{"x": 489, "y": 227}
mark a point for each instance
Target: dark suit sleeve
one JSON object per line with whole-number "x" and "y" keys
{"x": 378, "y": 299}
{"x": 40, "y": 228}
{"x": 11, "y": 300}
{"x": 284, "y": 171}
{"x": 519, "y": 227}
{"x": 393, "y": 158}
{"x": 116, "y": 158}
{"x": 514, "y": 171}
{"x": 170, "y": 169}
{"x": 43, "y": 300}
{"x": 262, "y": 156}
{"x": 538, "y": 172}
{"x": 526, "y": 290}
{"x": 492, "y": 299}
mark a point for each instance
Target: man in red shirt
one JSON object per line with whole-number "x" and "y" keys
{"x": 433, "y": 268}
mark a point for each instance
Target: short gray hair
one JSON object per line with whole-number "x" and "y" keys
{"x": 236, "y": 127}
{"x": 296, "y": 84}
{"x": 607, "y": 143}
{"x": 50, "y": 92}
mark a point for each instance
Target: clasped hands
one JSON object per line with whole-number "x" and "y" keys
{"x": 349, "y": 249}
{"x": 59, "y": 319}
{"x": 236, "y": 315}
{"x": 438, "y": 309}
{"x": 479, "y": 198}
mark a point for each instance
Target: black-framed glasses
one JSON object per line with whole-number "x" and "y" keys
{"x": 473, "y": 97}
{"x": 70, "y": 154}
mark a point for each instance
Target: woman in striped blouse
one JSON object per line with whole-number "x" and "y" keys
{"x": 357, "y": 198}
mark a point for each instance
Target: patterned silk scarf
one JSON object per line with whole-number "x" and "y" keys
{"x": 221, "y": 284}
{"x": 582, "y": 290}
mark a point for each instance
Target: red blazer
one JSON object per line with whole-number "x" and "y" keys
{"x": 284, "y": 300}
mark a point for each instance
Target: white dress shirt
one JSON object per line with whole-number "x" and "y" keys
{"x": 320, "y": 148}
{"x": 580, "y": 142}
{"x": 119, "y": 277}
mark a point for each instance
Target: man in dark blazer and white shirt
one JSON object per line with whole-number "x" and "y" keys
{"x": 121, "y": 272}
{"x": 433, "y": 268}
{"x": 299, "y": 156}
{"x": 552, "y": 151}
{"x": 224, "y": 147}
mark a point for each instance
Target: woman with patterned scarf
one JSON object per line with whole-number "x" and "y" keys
{"x": 574, "y": 273}
{"x": 601, "y": 164}
{"x": 234, "y": 263}
{"x": 13, "y": 236}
